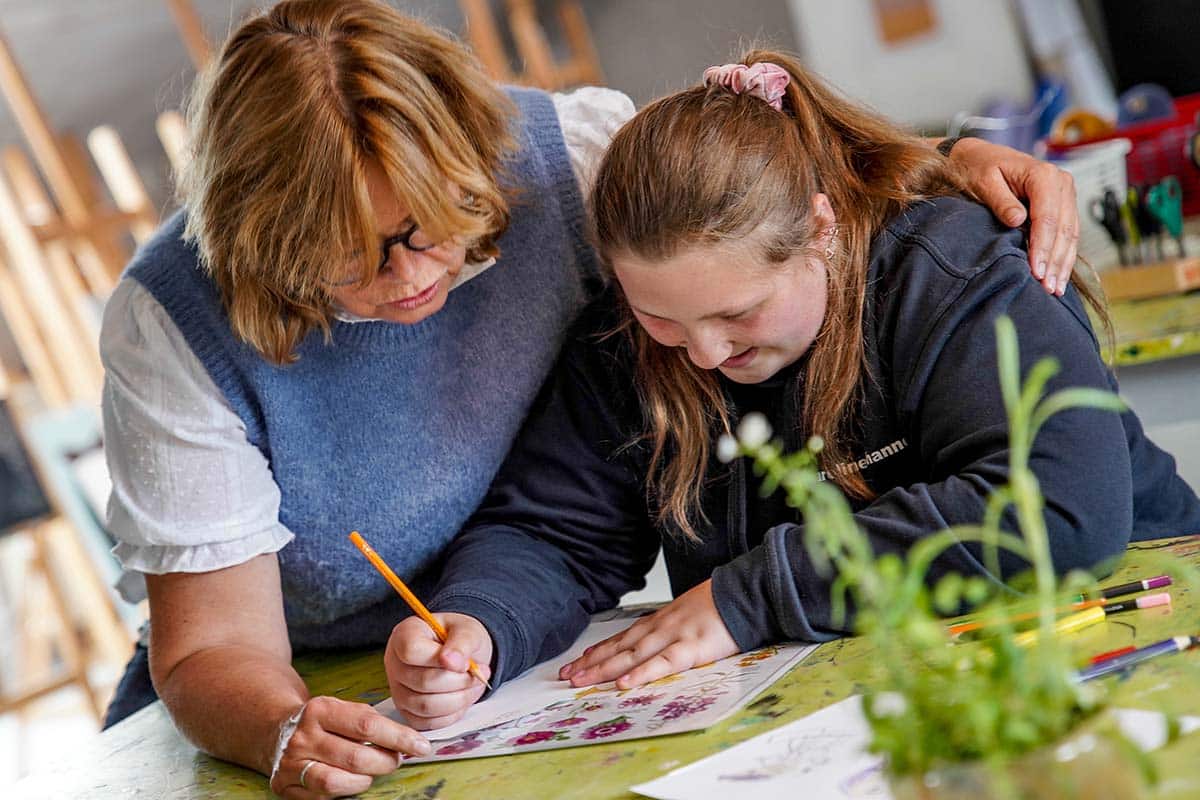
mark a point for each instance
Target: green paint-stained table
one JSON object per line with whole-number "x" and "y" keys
{"x": 1156, "y": 329}
{"x": 144, "y": 757}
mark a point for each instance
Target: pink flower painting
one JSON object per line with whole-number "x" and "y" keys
{"x": 569, "y": 721}
{"x": 536, "y": 737}
{"x": 640, "y": 700}
{"x": 609, "y": 728}
{"x": 463, "y": 745}
{"x": 684, "y": 706}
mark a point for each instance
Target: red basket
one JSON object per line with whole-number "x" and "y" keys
{"x": 1159, "y": 150}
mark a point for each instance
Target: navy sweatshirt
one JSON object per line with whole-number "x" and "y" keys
{"x": 566, "y": 529}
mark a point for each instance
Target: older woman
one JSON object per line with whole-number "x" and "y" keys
{"x": 379, "y": 255}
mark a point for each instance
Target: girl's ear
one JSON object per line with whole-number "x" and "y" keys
{"x": 825, "y": 219}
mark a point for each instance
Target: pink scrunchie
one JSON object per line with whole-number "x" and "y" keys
{"x": 763, "y": 80}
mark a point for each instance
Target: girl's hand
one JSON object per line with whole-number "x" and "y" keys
{"x": 684, "y": 634}
{"x": 429, "y": 680}
{"x": 339, "y": 747}
{"x": 1002, "y": 177}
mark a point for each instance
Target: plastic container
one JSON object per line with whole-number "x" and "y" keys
{"x": 1095, "y": 168}
{"x": 1159, "y": 149}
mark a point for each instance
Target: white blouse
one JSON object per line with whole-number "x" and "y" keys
{"x": 189, "y": 491}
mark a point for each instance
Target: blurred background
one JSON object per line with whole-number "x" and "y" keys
{"x": 90, "y": 134}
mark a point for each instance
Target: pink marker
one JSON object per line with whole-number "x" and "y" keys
{"x": 1149, "y": 601}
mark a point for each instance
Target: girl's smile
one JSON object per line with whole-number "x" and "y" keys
{"x": 741, "y": 360}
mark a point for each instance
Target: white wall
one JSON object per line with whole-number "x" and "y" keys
{"x": 974, "y": 53}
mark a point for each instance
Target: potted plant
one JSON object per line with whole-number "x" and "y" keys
{"x": 989, "y": 718}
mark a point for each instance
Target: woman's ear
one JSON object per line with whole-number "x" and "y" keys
{"x": 825, "y": 219}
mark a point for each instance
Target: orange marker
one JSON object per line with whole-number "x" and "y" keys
{"x": 416, "y": 605}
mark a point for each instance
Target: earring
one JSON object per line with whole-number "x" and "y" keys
{"x": 830, "y": 248}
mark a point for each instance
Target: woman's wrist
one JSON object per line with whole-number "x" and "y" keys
{"x": 286, "y": 729}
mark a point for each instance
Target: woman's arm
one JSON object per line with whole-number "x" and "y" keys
{"x": 221, "y": 662}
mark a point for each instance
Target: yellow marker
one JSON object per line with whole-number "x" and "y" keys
{"x": 416, "y": 605}
{"x": 1068, "y": 624}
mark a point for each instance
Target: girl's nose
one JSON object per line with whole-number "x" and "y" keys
{"x": 708, "y": 352}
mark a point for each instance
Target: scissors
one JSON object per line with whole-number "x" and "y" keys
{"x": 1106, "y": 211}
{"x": 1165, "y": 201}
{"x": 1129, "y": 217}
{"x": 1150, "y": 225}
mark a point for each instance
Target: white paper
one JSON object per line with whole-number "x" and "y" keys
{"x": 825, "y": 755}
{"x": 537, "y": 711}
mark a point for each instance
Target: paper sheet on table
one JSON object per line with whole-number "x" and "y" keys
{"x": 825, "y": 755}
{"x": 537, "y": 711}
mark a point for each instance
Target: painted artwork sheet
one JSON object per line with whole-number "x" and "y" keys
{"x": 825, "y": 755}
{"x": 537, "y": 711}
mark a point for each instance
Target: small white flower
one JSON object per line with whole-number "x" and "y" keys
{"x": 816, "y": 444}
{"x": 754, "y": 431}
{"x": 889, "y": 704}
{"x": 727, "y": 448}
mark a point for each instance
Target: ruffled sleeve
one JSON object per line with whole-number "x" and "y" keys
{"x": 189, "y": 491}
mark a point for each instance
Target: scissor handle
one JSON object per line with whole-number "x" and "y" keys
{"x": 1165, "y": 201}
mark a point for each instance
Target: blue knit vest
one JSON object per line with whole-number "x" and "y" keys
{"x": 396, "y": 430}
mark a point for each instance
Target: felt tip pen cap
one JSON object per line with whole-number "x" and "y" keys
{"x": 1111, "y": 654}
{"x": 1152, "y": 600}
{"x": 1147, "y": 601}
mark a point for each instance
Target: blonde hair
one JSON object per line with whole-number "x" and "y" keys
{"x": 284, "y": 123}
{"x": 706, "y": 166}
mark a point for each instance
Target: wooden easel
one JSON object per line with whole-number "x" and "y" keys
{"x": 98, "y": 254}
{"x": 170, "y": 125}
{"x": 191, "y": 31}
{"x": 63, "y": 242}
{"x": 66, "y": 246}
{"x": 63, "y": 635}
{"x": 539, "y": 65}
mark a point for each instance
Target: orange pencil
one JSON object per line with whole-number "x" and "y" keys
{"x": 974, "y": 625}
{"x": 416, "y": 605}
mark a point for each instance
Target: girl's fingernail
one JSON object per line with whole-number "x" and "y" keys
{"x": 1041, "y": 270}
{"x": 1014, "y": 217}
{"x": 1051, "y": 283}
{"x": 424, "y": 748}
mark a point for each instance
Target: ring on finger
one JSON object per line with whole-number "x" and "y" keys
{"x": 304, "y": 772}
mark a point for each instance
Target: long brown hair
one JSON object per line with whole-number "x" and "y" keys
{"x": 301, "y": 98}
{"x": 706, "y": 166}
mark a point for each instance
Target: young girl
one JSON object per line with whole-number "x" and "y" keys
{"x": 778, "y": 250}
